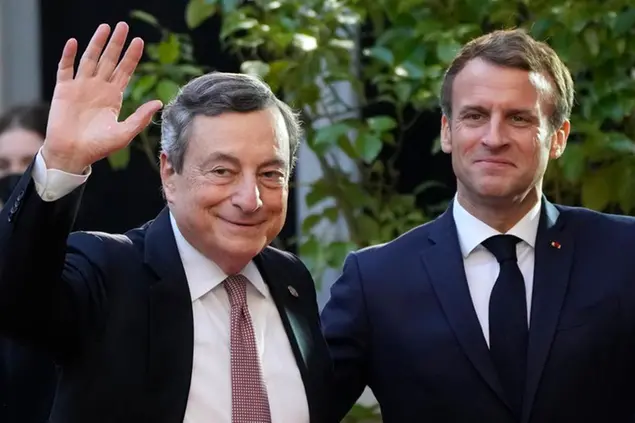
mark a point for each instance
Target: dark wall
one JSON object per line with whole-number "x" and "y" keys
{"x": 118, "y": 200}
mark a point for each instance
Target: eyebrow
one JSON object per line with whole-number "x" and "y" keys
{"x": 224, "y": 157}
{"x": 481, "y": 109}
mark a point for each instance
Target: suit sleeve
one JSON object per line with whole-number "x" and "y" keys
{"x": 50, "y": 293}
{"x": 346, "y": 329}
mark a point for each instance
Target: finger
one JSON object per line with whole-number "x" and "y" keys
{"x": 65, "y": 68}
{"x": 121, "y": 76}
{"x": 136, "y": 122}
{"x": 109, "y": 59}
{"x": 88, "y": 63}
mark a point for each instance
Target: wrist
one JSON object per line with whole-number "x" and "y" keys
{"x": 65, "y": 163}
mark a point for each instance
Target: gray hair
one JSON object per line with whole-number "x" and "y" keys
{"x": 213, "y": 94}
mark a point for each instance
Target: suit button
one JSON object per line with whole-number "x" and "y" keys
{"x": 14, "y": 208}
{"x": 20, "y": 196}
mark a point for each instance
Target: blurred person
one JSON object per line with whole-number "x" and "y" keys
{"x": 192, "y": 317}
{"x": 22, "y": 131}
{"x": 507, "y": 308}
{"x": 27, "y": 376}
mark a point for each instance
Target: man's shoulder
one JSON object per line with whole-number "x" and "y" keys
{"x": 406, "y": 245}
{"x": 280, "y": 257}
{"x": 98, "y": 242}
{"x": 581, "y": 216}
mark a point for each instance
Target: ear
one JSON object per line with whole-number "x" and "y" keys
{"x": 168, "y": 176}
{"x": 559, "y": 140}
{"x": 446, "y": 137}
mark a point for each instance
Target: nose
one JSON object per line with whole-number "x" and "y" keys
{"x": 247, "y": 196}
{"x": 493, "y": 136}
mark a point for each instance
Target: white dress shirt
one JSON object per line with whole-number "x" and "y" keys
{"x": 482, "y": 268}
{"x": 210, "y": 392}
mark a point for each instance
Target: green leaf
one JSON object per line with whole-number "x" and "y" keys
{"x": 573, "y": 162}
{"x": 167, "y": 90}
{"x": 368, "y": 146}
{"x": 331, "y": 213}
{"x": 592, "y": 41}
{"x": 236, "y": 22}
{"x": 625, "y": 22}
{"x": 382, "y": 54}
{"x": 381, "y": 123}
{"x": 436, "y": 145}
{"x": 626, "y": 187}
{"x": 337, "y": 252}
{"x": 540, "y": 27}
{"x": 403, "y": 91}
{"x": 621, "y": 143}
{"x": 169, "y": 50}
{"x": 369, "y": 227}
{"x": 142, "y": 86}
{"x": 318, "y": 192}
{"x": 198, "y": 11}
{"x": 255, "y": 67}
{"x": 310, "y": 222}
{"x": 328, "y": 135}
{"x": 120, "y": 158}
{"x": 145, "y": 17}
{"x": 596, "y": 191}
{"x": 310, "y": 248}
{"x": 447, "y": 49}
{"x": 229, "y": 5}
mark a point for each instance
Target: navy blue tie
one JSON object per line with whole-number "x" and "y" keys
{"x": 508, "y": 331}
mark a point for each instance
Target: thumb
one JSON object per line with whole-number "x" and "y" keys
{"x": 137, "y": 121}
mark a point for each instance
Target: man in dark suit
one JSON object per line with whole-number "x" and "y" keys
{"x": 27, "y": 377}
{"x": 507, "y": 308}
{"x": 192, "y": 317}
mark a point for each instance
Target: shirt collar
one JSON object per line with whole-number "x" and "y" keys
{"x": 203, "y": 274}
{"x": 472, "y": 232}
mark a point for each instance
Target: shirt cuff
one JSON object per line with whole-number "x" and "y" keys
{"x": 53, "y": 184}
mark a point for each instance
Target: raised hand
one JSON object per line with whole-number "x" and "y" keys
{"x": 83, "y": 124}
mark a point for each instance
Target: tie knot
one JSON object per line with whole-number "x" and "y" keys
{"x": 236, "y": 287}
{"x": 502, "y": 246}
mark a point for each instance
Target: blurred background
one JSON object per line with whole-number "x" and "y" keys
{"x": 365, "y": 75}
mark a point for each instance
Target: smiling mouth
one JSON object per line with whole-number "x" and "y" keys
{"x": 242, "y": 224}
{"x": 495, "y": 162}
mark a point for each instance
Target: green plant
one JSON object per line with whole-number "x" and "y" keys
{"x": 169, "y": 65}
{"x": 391, "y": 55}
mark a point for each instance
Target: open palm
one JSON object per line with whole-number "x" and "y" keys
{"x": 83, "y": 124}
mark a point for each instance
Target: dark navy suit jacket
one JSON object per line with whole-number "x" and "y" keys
{"x": 115, "y": 312}
{"x": 401, "y": 320}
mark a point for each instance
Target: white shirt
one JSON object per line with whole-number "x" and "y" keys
{"x": 482, "y": 268}
{"x": 210, "y": 392}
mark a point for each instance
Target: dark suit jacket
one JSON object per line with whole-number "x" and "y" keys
{"x": 401, "y": 320}
{"x": 115, "y": 311}
{"x": 27, "y": 384}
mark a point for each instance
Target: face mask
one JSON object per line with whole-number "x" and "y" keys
{"x": 7, "y": 185}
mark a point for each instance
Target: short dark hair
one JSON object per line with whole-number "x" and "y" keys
{"x": 213, "y": 94}
{"x": 32, "y": 117}
{"x": 514, "y": 48}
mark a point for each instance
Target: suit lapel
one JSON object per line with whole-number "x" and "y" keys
{"x": 171, "y": 330}
{"x": 292, "y": 312}
{"x": 553, "y": 260}
{"x": 444, "y": 263}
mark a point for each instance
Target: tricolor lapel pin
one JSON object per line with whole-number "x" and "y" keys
{"x": 292, "y": 291}
{"x": 556, "y": 244}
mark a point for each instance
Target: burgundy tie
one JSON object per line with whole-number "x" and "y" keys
{"x": 249, "y": 394}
